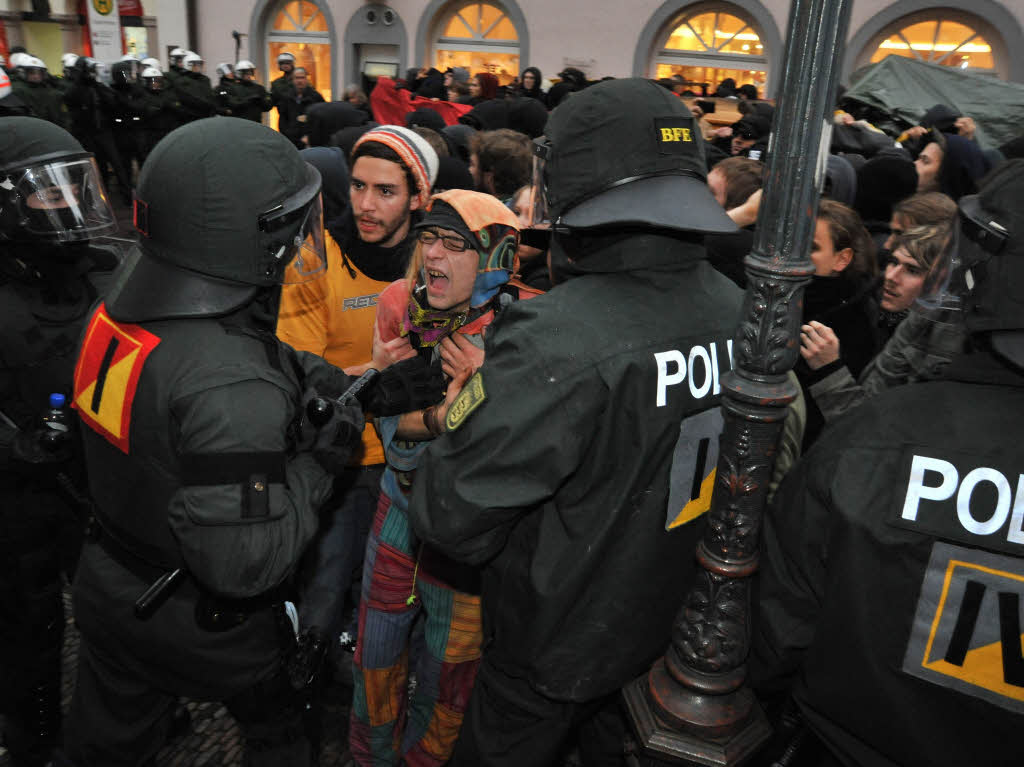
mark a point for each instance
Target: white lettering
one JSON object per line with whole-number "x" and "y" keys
{"x": 963, "y": 501}
{"x": 666, "y": 379}
{"x": 1016, "y": 531}
{"x": 716, "y": 388}
{"x": 705, "y": 387}
{"x": 918, "y": 490}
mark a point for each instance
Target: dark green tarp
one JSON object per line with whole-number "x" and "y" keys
{"x": 906, "y": 89}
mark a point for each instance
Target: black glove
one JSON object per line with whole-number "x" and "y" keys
{"x": 338, "y": 430}
{"x": 409, "y": 385}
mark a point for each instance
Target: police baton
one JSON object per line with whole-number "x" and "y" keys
{"x": 318, "y": 409}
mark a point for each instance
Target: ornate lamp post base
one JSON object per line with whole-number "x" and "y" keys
{"x": 664, "y": 743}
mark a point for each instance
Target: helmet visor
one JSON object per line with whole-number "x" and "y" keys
{"x": 294, "y": 240}
{"x": 538, "y": 213}
{"x": 63, "y": 200}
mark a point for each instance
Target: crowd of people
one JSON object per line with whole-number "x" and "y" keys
{"x": 389, "y": 405}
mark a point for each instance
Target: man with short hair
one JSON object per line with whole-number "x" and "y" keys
{"x": 368, "y": 247}
{"x": 292, "y": 107}
{"x": 500, "y": 162}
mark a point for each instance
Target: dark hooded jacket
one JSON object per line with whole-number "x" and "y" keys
{"x": 535, "y": 92}
{"x": 334, "y": 175}
{"x": 526, "y": 115}
{"x": 323, "y": 120}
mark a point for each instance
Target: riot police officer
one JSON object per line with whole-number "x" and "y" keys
{"x": 205, "y": 484}
{"x": 52, "y": 207}
{"x": 251, "y": 98}
{"x": 893, "y": 564}
{"x": 566, "y": 465}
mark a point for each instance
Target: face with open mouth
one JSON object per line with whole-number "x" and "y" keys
{"x": 448, "y": 273}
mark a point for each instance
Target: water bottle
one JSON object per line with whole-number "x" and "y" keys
{"x": 56, "y": 431}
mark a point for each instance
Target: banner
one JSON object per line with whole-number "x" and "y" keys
{"x": 105, "y": 30}
{"x": 390, "y": 106}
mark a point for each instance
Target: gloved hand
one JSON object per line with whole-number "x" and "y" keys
{"x": 411, "y": 384}
{"x": 338, "y": 430}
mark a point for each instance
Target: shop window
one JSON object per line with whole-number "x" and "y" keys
{"x": 938, "y": 41}
{"x": 300, "y": 28}
{"x": 481, "y": 38}
{"x": 708, "y": 44}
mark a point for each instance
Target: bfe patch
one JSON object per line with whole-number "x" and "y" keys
{"x": 967, "y": 628}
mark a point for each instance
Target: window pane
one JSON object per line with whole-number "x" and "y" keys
{"x": 314, "y": 21}
{"x": 288, "y": 18}
{"x": 949, "y": 47}
{"x": 704, "y": 26}
{"x": 503, "y": 30}
{"x": 697, "y": 77}
{"x": 683, "y": 39}
{"x": 505, "y": 66}
{"x": 457, "y": 26}
{"x": 490, "y": 15}
{"x": 730, "y": 27}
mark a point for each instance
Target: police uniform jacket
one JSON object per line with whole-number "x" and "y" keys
{"x": 556, "y": 470}
{"x": 892, "y": 576}
{"x": 191, "y": 454}
{"x": 244, "y": 98}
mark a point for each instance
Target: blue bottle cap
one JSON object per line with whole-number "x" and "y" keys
{"x": 57, "y": 400}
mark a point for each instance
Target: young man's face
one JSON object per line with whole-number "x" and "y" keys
{"x": 529, "y": 81}
{"x": 928, "y": 164}
{"x": 381, "y": 202}
{"x": 300, "y": 80}
{"x": 450, "y": 274}
{"x": 717, "y": 186}
{"x": 904, "y": 278}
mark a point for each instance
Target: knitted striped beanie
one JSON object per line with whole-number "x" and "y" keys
{"x": 416, "y": 154}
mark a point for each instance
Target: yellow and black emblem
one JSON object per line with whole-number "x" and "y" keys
{"x": 103, "y": 7}
{"x": 470, "y": 398}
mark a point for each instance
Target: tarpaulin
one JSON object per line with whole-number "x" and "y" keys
{"x": 390, "y": 106}
{"x": 905, "y": 89}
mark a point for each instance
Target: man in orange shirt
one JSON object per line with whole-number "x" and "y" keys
{"x": 368, "y": 246}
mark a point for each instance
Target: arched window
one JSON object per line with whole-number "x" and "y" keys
{"x": 939, "y": 40}
{"x": 709, "y": 43}
{"x": 300, "y": 28}
{"x": 480, "y": 37}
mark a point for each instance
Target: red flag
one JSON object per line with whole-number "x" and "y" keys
{"x": 390, "y": 106}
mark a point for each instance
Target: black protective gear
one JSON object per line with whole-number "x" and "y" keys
{"x": 337, "y": 434}
{"x": 628, "y": 152}
{"x": 409, "y": 385}
{"x": 992, "y": 246}
{"x": 252, "y": 221}
{"x": 50, "y": 189}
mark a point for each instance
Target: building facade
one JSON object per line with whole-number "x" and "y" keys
{"x": 341, "y": 41}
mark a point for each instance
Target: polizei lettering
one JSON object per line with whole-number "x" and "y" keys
{"x": 359, "y": 302}
{"x": 982, "y": 502}
{"x": 699, "y": 368}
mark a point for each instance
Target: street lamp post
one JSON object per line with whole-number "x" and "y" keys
{"x": 693, "y": 706}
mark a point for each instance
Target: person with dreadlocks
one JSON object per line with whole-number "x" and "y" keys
{"x": 459, "y": 280}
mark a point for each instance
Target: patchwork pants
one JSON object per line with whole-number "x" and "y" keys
{"x": 389, "y": 725}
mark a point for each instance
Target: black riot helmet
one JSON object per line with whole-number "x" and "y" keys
{"x": 992, "y": 257}
{"x": 224, "y": 207}
{"x": 50, "y": 187}
{"x": 625, "y": 153}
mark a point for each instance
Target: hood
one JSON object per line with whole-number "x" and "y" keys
{"x": 328, "y": 118}
{"x": 841, "y": 180}
{"x": 624, "y": 251}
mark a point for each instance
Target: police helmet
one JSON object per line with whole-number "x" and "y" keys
{"x": 991, "y": 253}
{"x": 285, "y": 58}
{"x": 176, "y": 56}
{"x": 130, "y": 57}
{"x": 245, "y": 68}
{"x": 152, "y": 76}
{"x": 50, "y": 187}
{"x": 224, "y": 207}
{"x": 151, "y": 62}
{"x": 33, "y": 66}
{"x": 627, "y": 152}
{"x": 225, "y": 70}
{"x": 124, "y": 72}
{"x": 68, "y": 61}
{"x": 191, "y": 61}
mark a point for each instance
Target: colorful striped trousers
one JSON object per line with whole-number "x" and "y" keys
{"x": 388, "y": 726}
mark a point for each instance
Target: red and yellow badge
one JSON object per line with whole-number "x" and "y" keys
{"x": 107, "y": 374}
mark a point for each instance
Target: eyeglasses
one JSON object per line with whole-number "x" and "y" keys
{"x": 450, "y": 242}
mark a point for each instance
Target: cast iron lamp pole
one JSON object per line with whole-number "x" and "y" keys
{"x": 693, "y": 706}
